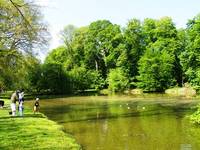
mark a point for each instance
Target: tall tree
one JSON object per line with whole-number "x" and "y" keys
{"x": 21, "y": 26}
{"x": 102, "y": 39}
{"x": 21, "y": 31}
{"x": 134, "y": 44}
{"x": 155, "y": 69}
{"x": 78, "y": 46}
{"x": 67, "y": 34}
{"x": 148, "y": 31}
{"x": 162, "y": 42}
{"x": 58, "y": 55}
{"x": 190, "y": 58}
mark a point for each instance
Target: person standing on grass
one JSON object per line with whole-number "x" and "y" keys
{"x": 36, "y": 105}
{"x": 21, "y": 95}
{"x": 21, "y": 108}
{"x": 21, "y": 101}
{"x": 13, "y": 99}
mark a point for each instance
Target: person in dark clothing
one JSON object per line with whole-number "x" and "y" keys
{"x": 36, "y": 106}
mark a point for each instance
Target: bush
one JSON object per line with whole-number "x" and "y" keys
{"x": 195, "y": 117}
{"x": 50, "y": 78}
{"x": 82, "y": 79}
{"x": 117, "y": 80}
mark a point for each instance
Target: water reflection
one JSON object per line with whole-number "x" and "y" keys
{"x": 156, "y": 132}
{"x": 131, "y": 124}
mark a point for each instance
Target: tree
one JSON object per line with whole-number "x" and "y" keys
{"x": 82, "y": 79}
{"x": 134, "y": 44}
{"x": 155, "y": 69}
{"x": 21, "y": 26}
{"x": 148, "y": 31}
{"x": 190, "y": 58}
{"x": 12, "y": 71}
{"x": 71, "y": 54}
{"x": 165, "y": 28}
{"x": 149, "y": 54}
{"x": 102, "y": 39}
{"x": 57, "y": 55}
{"x": 78, "y": 47}
{"x": 21, "y": 31}
{"x": 162, "y": 35}
{"x": 33, "y": 74}
{"x": 181, "y": 47}
{"x": 54, "y": 79}
{"x": 172, "y": 41}
{"x": 67, "y": 34}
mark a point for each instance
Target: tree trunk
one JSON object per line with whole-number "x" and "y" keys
{"x": 96, "y": 65}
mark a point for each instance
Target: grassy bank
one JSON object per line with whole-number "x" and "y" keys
{"x": 32, "y": 132}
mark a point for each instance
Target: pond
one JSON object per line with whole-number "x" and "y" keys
{"x": 125, "y": 122}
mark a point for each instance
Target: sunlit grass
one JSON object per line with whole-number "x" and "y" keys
{"x": 32, "y": 132}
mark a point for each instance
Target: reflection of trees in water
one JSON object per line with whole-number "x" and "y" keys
{"x": 108, "y": 124}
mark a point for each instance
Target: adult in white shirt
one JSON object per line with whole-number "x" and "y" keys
{"x": 13, "y": 99}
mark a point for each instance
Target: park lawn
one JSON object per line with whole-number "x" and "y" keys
{"x": 32, "y": 132}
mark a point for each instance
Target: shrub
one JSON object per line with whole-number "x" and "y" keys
{"x": 195, "y": 117}
{"x": 117, "y": 80}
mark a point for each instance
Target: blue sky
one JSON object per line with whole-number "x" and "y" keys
{"x": 59, "y": 13}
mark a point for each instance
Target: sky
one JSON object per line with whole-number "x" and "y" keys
{"x": 59, "y": 13}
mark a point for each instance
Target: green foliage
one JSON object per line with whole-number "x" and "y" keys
{"x": 194, "y": 77}
{"x": 148, "y": 30}
{"x": 48, "y": 78}
{"x": 99, "y": 47}
{"x": 82, "y": 79}
{"x": 134, "y": 44}
{"x": 152, "y": 54}
{"x": 78, "y": 47}
{"x": 117, "y": 80}
{"x": 22, "y": 30}
{"x": 34, "y": 72}
{"x": 165, "y": 28}
{"x": 58, "y": 56}
{"x": 21, "y": 26}
{"x": 155, "y": 69}
{"x": 190, "y": 58}
{"x": 195, "y": 117}
{"x": 123, "y": 59}
{"x": 54, "y": 79}
{"x": 159, "y": 67}
{"x": 12, "y": 71}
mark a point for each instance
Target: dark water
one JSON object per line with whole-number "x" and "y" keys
{"x": 126, "y": 123}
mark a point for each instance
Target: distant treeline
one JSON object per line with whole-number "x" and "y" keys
{"x": 151, "y": 54}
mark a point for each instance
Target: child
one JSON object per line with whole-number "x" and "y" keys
{"x": 21, "y": 95}
{"x": 21, "y": 108}
{"x": 21, "y": 101}
{"x": 36, "y": 105}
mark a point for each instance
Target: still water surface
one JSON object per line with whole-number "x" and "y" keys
{"x": 126, "y": 123}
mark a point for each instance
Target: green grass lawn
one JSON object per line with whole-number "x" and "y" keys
{"x": 32, "y": 131}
